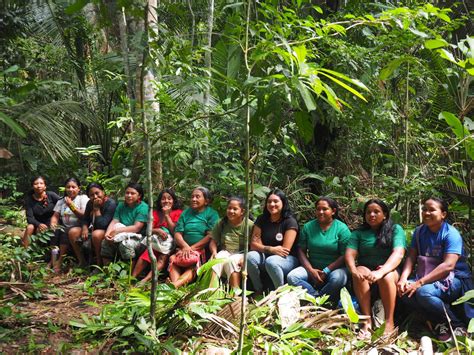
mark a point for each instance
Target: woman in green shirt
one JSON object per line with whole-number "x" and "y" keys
{"x": 378, "y": 246}
{"x": 322, "y": 244}
{"x": 192, "y": 234}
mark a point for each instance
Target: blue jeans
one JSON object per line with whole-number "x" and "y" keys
{"x": 430, "y": 299}
{"x": 277, "y": 268}
{"x": 336, "y": 280}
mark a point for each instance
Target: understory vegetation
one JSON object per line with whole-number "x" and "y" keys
{"x": 351, "y": 100}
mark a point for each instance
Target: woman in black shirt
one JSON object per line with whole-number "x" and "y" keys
{"x": 39, "y": 205}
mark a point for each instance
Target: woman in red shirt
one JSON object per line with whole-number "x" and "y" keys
{"x": 167, "y": 214}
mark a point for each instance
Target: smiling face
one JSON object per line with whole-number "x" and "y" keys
{"x": 274, "y": 205}
{"x": 131, "y": 196}
{"x": 235, "y": 213}
{"x": 72, "y": 189}
{"x": 433, "y": 215}
{"x": 198, "y": 201}
{"x": 374, "y": 216}
{"x": 166, "y": 200}
{"x": 96, "y": 193}
{"x": 324, "y": 213}
{"x": 39, "y": 186}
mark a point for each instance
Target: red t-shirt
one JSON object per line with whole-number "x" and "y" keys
{"x": 174, "y": 214}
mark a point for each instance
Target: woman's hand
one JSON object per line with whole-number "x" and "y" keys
{"x": 97, "y": 203}
{"x": 42, "y": 227}
{"x": 85, "y": 233}
{"x": 402, "y": 287}
{"x": 280, "y": 251}
{"x": 161, "y": 233}
{"x": 186, "y": 251}
{"x": 374, "y": 276}
{"x": 356, "y": 274}
{"x": 412, "y": 287}
{"x": 68, "y": 201}
{"x": 318, "y": 276}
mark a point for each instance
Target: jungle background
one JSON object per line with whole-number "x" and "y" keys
{"x": 351, "y": 99}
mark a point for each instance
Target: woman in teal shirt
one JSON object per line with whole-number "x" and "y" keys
{"x": 378, "y": 246}
{"x": 322, "y": 244}
{"x": 192, "y": 234}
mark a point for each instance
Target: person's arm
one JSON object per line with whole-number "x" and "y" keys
{"x": 350, "y": 257}
{"x": 108, "y": 233}
{"x": 54, "y": 220}
{"x": 256, "y": 240}
{"x": 438, "y": 273}
{"x": 213, "y": 248}
{"x": 407, "y": 269}
{"x": 30, "y": 217}
{"x": 77, "y": 210}
{"x": 103, "y": 218}
{"x": 391, "y": 264}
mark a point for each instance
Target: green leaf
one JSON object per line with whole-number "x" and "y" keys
{"x": 265, "y": 331}
{"x": 300, "y": 53}
{"x": 447, "y": 55}
{"x": 466, "y": 297}
{"x": 345, "y": 86}
{"x": 435, "y": 43}
{"x": 457, "y": 182}
{"x": 305, "y": 126}
{"x": 12, "y": 69}
{"x": 346, "y": 301}
{"x": 76, "y": 7}
{"x": 470, "y": 327}
{"x": 454, "y": 123}
{"x": 15, "y": 127}
{"x": 305, "y": 94}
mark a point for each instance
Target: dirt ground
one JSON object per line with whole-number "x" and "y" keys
{"x": 42, "y": 326}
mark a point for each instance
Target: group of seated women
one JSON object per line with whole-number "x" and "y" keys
{"x": 322, "y": 258}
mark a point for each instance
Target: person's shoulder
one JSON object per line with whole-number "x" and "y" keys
{"x": 290, "y": 220}
{"x": 398, "y": 228}
{"x": 176, "y": 212}
{"x": 51, "y": 194}
{"x": 452, "y": 231}
{"x": 111, "y": 202}
{"x": 312, "y": 223}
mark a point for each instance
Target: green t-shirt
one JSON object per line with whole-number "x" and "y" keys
{"x": 368, "y": 253}
{"x": 229, "y": 237}
{"x": 324, "y": 247}
{"x": 194, "y": 226}
{"x": 129, "y": 215}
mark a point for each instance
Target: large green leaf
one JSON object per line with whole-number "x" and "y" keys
{"x": 346, "y": 302}
{"x": 304, "y": 124}
{"x": 13, "y": 125}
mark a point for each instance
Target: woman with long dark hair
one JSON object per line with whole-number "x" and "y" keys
{"x": 273, "y": 243}
{"x": 378, "y": 245}
{"x": 165, "y": 218}
{"x": 99, "y": 213}
{"x": 322, "y": 244}
{"x": 68, "y": 213}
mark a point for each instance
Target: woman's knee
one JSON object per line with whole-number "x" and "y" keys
{"x": 98, "y": 234}
{"x": 253, "y": 258}
{"x": 295, "y": 276}
{"x": 338, "y": 277}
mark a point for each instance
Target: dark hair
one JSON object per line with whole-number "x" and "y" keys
{"x": 442, "y": 204}
{"x": 205, "y": 192}
{"x": 285, "y": 211}
{"x": 385, "y": 232}
{"x": 332, "y": 203}
{"x": 32, "y": 181}
{"x": 176, "y": 202}
{"x": 94, "y": 185}
{"x": 74, "y": 180}
{"x": 135, "y": 186}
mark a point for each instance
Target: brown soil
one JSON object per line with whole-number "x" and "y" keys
{"x": 46, "y": 329}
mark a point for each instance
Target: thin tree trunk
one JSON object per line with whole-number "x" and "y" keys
{"x": 144, "y": 82}
{"x": 247, "y": 190}
{"x": 122, "y": 20}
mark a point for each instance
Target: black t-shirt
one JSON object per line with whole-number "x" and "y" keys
{"x": 274, "y": 232}
{"x": 38, "y": 212}
{"x": 107, "y": 214}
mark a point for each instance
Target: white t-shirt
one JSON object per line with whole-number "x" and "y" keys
{"x": 68, "y": 218}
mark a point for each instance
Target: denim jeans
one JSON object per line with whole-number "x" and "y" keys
{"x": 432, "y": 300}
{"x": 277, "y": 268}
{"x": 336, "y": 280}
